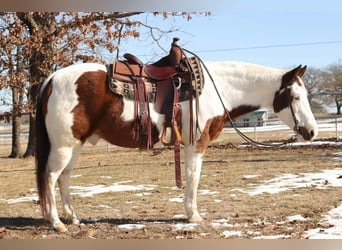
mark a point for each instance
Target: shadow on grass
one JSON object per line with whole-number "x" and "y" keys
{"x": 21, "y": 222}
{"x": 26, "y": 222}
{"x": 135, "y": 221}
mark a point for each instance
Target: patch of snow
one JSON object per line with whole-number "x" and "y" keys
{"x": 99, "y": 189}
{"x": 296, "y": 217}
{"x": 228, "y": 234}
{"x": 321, "y": 180}
{"x": 184, "y": 227}
{"x": 143, "y": 194}
{"x": 221, "y": 223}
{"x": 334, "y": 221}
{"x": 75, "y": 176}
{"x": 207, "y": 192}
{"x": 106, "y": 177}
{"x": 22, "y": 199}
{"x": 272, "y": 237}
{"x": 179, "y": 216}
{"x": 179, "y": 200}
{"x": 104, "y": 206}
{"x": 339, "y": 156}
{"x": 131, "y": 226}
{"x": 251, "y": 176}
{"x": 233, "y": 196}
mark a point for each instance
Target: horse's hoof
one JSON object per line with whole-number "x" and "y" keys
{"x": 75, "y": 221}
{"x": 70, "y": 219}
{"x": 195, "y": 219}
{"x": 61, "y": 228}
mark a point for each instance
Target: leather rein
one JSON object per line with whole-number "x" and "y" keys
{"x": 238, "y": 131}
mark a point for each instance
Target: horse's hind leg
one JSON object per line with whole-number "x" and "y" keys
{"x": 63, "y": 182}
{"x": 59, "y": 158}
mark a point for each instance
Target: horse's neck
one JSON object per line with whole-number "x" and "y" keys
{"x": 242, "y": 84}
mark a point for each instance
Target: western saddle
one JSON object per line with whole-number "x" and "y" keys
{"x": 172, "y": 79}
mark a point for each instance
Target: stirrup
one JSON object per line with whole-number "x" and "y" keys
{"x": 175, "y": 135}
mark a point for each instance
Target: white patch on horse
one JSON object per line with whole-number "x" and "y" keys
{"x": 232, "y": 77}
{"x": 128, "y": 113}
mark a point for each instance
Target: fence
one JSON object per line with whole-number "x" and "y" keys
{"x": 329, "y": 127}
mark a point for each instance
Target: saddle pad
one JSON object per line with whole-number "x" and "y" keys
{"x": 122, "y": 84}
{"x": 126, "y": 89}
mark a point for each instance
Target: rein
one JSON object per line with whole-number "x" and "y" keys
{"x": 239, "y": 132}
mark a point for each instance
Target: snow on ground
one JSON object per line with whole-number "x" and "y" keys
{"x": 131, "y": 226}
{"x": 332, "y": 220}
{"x": 321, "y": 180}
{"x": 330, "y": 227}
{"x": 115, "y": 187}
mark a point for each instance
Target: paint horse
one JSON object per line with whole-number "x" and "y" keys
{"x": 75, "y": 105}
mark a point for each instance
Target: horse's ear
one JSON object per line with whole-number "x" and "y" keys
{"x": 298, "y": 71}
{"x": 290, "y": 76}
{"x": 301, "y": 71}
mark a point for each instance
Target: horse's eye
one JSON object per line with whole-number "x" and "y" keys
{"x": 297, "y": 98}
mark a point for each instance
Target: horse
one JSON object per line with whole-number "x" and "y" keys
{"x": 74, "y": 105}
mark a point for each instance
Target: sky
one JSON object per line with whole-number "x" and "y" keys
{"x": 270, "y": 33}
{"x": 279, "y": 34}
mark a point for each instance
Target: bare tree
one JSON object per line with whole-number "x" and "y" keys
{"x": 314, "y": 79}
{"x": 333, "y": 86}
{"x": 12, "y": 73}
{"x": 48, "y": 41}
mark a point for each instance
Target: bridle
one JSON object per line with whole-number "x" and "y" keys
{"x": 290, "y": 98}
{"x": 241, "y": 134}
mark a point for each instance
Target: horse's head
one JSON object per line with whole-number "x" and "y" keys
{"x": 292, "y": 106}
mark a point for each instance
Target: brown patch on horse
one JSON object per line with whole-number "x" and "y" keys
{"x": 214, "y": 126}
{"x": 281, "y": 98}
{"x": 99, "y": 111}
{"x": 91, "y": 91}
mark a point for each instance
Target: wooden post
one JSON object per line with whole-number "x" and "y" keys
{"x": 336, "y": 129}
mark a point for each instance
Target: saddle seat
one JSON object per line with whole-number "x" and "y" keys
{"x": 164, "y": 68}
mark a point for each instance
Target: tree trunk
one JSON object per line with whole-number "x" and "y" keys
{"x": 36, "y": 23}
{"x": 16, "y": 124}
{"x": 31, "y": 144}
{"x": 17, "y": 98}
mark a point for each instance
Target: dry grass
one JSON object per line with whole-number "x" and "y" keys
{"x": 224, "y": 169}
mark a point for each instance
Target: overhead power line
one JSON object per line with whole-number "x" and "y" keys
{"x": 270, "y": 46}
{"x": 260, "y": 47}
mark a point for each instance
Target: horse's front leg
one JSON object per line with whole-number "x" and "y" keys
{"x": 193, "y": 165}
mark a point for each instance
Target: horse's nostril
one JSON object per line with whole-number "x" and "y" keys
{"x": 308, "y": 134}
{"x": 312, "y": 133}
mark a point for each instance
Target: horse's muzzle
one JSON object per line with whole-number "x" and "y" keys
{"x": 308, "y": 134}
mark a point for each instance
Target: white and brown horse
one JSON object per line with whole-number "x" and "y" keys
{"x": 75, "y": 106}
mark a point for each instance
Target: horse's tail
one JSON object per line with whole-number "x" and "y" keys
{"x": 43, "y": 146}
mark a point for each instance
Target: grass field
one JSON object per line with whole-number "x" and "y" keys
{"x": 131, "y": 194}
